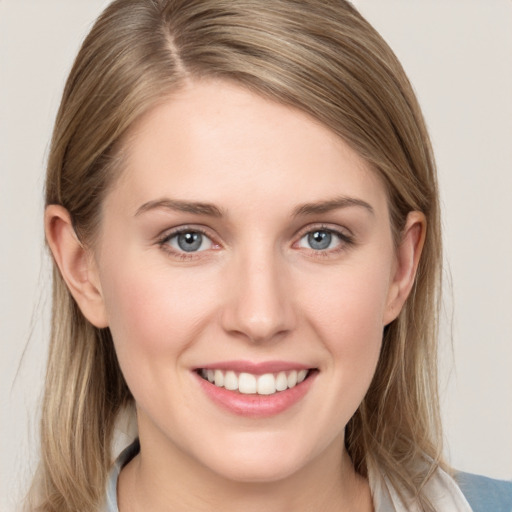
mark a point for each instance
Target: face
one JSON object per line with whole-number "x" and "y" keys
{"x": 246, "y": 267}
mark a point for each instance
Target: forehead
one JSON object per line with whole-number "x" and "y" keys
{"x": 214, "y": 141}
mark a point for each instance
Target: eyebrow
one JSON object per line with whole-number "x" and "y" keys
{"x": 211, "y": 210}
{"x": 331, "y": 204}
{"x": 196, "y": 208}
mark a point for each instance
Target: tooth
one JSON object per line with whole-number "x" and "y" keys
{"x": 292, "y": 379}
{"x": 219, "y": 378}
{"x": 247, "y": 383}
{"x": 231, "y": 381}
{"x": 301, "y": 375}
{"x": 266, "y": 384}
{"x": 281, "y": 381}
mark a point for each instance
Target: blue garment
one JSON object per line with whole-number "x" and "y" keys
{"x": 485, "y": 494}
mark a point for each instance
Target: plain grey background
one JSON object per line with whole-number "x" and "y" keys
{"x": 458, "y": 54}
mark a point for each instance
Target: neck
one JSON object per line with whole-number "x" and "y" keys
{"x": 163, "y": 480}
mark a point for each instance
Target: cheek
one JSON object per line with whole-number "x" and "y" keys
{"x": 350, "y": 305}
{"x": 346, "y": 311}
{"x": 154, "y": 314}
{"x": 342, "y": 311}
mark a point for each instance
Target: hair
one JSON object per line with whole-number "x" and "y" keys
{"x": 318, "y": 56}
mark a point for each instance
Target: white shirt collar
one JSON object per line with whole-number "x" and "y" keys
{"x": 442, "y": 491}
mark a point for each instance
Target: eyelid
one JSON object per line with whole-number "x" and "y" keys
{"x": 166, "y": 235}
{"x": 345, "y": 236}
{"x": 342, "y": 231}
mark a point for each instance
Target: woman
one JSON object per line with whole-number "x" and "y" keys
{"x": 243, "y": 213}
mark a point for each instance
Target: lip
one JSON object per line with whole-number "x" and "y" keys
{"x": 256, "y": 368}
{"x": 256, "y": 406}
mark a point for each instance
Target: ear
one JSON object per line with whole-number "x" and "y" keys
{"x": 76, "y": 264}
{"x": 407, "y": 259}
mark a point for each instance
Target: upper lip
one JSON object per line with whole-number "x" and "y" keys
{"x": 255, "y": 368}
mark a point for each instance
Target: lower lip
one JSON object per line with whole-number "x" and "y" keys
{"x": 256, "y": 406}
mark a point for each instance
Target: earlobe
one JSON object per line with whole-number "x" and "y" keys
{"x": 407, "y": 259}
{"x": 76, "y": 264}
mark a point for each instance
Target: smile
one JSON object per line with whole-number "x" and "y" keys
{"x": 256, "y": 390}
{"x": 251, "y": 384}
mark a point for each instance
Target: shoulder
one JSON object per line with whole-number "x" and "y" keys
{"x": 485, "y": 494}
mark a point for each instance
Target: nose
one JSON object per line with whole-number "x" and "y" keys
{"x": 259, "y": 305}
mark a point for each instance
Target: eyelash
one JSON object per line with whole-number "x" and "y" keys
{"x": 183, "y": 255}
{"x": 345, "y": 241}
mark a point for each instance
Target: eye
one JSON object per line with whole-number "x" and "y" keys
{"x": 189, "y": 241}
{"x": 322, "y": 240}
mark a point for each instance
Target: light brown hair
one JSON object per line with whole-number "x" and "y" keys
{"x": 319, "y": 56}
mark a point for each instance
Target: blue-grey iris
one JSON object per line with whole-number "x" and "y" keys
{"x": 190, "y": 241}
{"x": 319, "y": 240}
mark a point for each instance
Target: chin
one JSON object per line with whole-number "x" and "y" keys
{"x": 259, "y": 471}
{"x": 259, "y": 462}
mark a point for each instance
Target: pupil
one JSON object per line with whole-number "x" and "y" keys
{"x": 190, "y": 242}
{"x": 319, "y": 240}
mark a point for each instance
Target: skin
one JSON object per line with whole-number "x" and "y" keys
{"x": 256, "y": 291}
